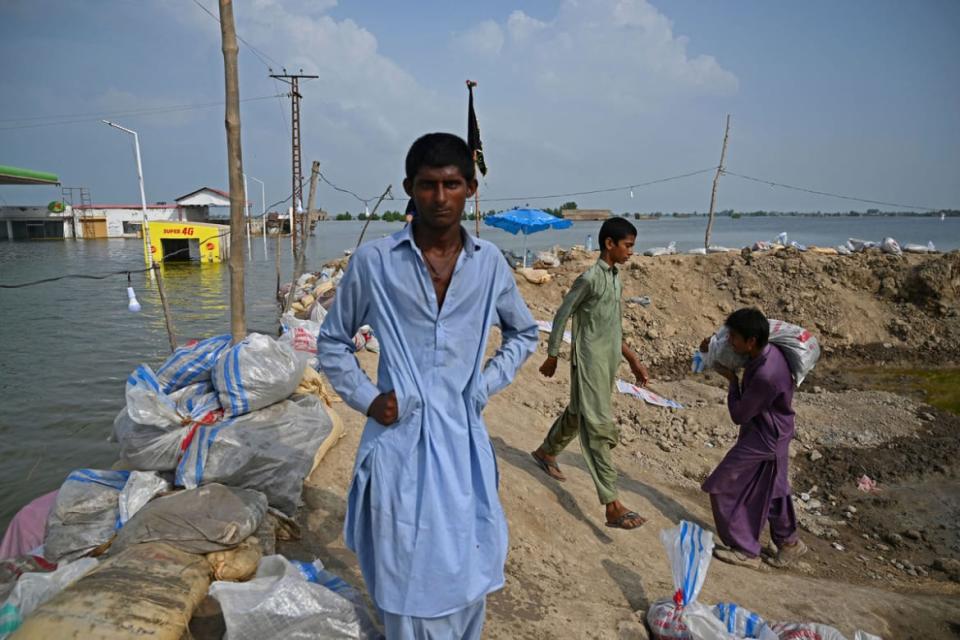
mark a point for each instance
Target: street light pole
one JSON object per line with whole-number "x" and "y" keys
{"x": 148, "y": 254}
{"x": 263, "y": 212}
{"x": 246, "y": 208}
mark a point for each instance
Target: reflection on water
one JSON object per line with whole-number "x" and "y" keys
{"x": 68, "y": 346}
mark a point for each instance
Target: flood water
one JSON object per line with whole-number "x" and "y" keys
{"x": 68, "y": 346}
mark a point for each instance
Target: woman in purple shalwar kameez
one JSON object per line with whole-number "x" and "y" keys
{"x": 750, "y": 486}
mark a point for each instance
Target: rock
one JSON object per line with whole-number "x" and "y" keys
{"x": 838, "y": 546}
{"x": 850, "y": 509}
{"x": 653, "y": 334}
{"x": 664, "y": 445}
{"x": 894, "y": 538}
{"x": 631, "y": 630}
{"x": 815, "y": 455}
{"x": 913, "y": 534}
{"x": 817, "y": 389}
{"x": 883, "y": 547}
{"x": 805, "y": 497}
{"x": 814, "y": 504}
{"x": 929, "y": 417}
{"x": 947, "y": 565}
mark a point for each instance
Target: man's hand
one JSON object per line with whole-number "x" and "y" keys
{"x": 549, "y": 366}
{"x": 383, "y": 409}
{"x": 640, "y": 373}
{"x": 726, "y": 373}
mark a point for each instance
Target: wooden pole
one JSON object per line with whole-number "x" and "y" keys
{"x": 383, "y": 195}
{"x": 300, "y": 255}
{"x": 716, "y": 179}
{"x": 228, "y": 33}
{"x": 476, "y": 196}
{"x": 167, "y": 317}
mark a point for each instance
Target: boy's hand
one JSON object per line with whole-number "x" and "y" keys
{"x": 549, "y": 366}
{"x": 640, "y": 373}
{"x": 726, "y": 373}
{"x": 383, "y": 409}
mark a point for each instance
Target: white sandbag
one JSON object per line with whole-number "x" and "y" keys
{"x": 281, "y": 603}
{"x": 857, "y": 245}
{"x": 720, "y": 249}
{"x": 548, "y": 259}
{"x": 668, "y": 250}
{"x": 301, "y": 336}
{"x": 805, "y": 631}
{"x": 256, "y": 373}
{"x": 843, "y": 250}
{"x": 919, "y": 248}
{"x": 271, "y": 450}
{"x": 743, "y": 623}
{"x": 689, "y": 548}
{"x": 154, "y": 428}
{"x": 891, "y": 246}
{"x": 34, "y": 589}
{"x": 202, "y": 520}
{"x": 85, "y": 515}
{"x": 699, "y": 251}
{"x": 800, "y": 348}
{"x": 318, "y": 313}
{"x": 191, "y": 363}
{"x": 141, "y": 488}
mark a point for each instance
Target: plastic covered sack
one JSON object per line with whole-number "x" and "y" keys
{"x": 85, "y": 515}
{"x": 689, "y": 549}
{"x": 800, "y": 348}
{"x": 301, "y": 336}
{"x": 141, "y": 487}
{"x": 891, "y": 246}
{"x": 191, "y": 363}
{"x": 256, "y": 373}
{"x": 919, "y": 248}
{"x": 270, "y": 450}
{"x": 154, "y": 429}
{"x": 203, "y": 520}
{"x": 280, "y": 602}
{"x": 743, "y": 623}
{"x": 34, "y": 589}
{"x": 668, "y": 250}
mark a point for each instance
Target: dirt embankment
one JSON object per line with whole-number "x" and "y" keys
{"x": 884, "y": 561}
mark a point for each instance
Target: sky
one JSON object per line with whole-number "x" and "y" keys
{"x": 860, "y": 97}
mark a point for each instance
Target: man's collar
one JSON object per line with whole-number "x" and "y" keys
{"x": 405, "y": 235}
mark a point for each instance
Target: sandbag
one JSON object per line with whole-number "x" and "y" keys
{"x": 154, "y": 428}
{"x": 12, "y": 568}
{"x": 191, "y": 363}
{"x": 689, "y": 548}
{"x": 800, "y": 348}
{"x": 301, "y": 336}
{"x": 26, "y": 530}
{"x": 281, "y": 602}
{"x": 34, "y": 589}
{"x": 891, "y": 246}
{"x": 141, "y": 488}
{"x": 148, "y": 591}
{"x": 85, "y": 515}
{"x": 209, "y": 518}
{"x": 534, "y": 276}
{"x": 237, "y": 564}
{"x": 270, "y": 450}
{"x": 255, "y": 373}
{"x": 919, "y": 248}
{"x": 668, "y": 250}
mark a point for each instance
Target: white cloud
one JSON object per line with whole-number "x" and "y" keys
{"x": 484, "y": 39}
{"x": 520, "y": 26}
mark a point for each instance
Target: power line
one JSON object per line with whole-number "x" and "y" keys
{"x": 115, "y": 114}
{"x": 826, "y": 193}
{"x": 257, "y": 52}
{"x": 365, "y": 201}
{"x": 606, "y": 190}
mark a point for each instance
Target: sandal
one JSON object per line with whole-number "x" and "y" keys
{"x": 737, "y": 558}
{"x": 620, "y": 523}
{"x": 552, "y": 469}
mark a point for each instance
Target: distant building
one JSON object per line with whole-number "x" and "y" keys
{"x": 587, "y": 214}
{"x": 93, "y": 221}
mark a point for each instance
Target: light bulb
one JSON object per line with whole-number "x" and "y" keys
{"x": 132, "y": 304}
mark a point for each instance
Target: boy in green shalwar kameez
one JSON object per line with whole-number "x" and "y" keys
{"x": 594, "y": 303}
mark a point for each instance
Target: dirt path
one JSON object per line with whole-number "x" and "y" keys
{"x": 568, "y": 576}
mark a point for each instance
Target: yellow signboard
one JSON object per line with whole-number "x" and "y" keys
{"x": 174, "y": 240}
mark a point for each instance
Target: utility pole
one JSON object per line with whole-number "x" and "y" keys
{"x": 228, "y": 33}
{"x": 301, "y": 252}
{"x": 294, "y": 81}
{"x": 716, "y": 179}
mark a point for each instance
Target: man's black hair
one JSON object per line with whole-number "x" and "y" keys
{"x": 616, "y": 229}
{"x": 750, "y": 323}
{"x": 411, "y": 208}
{"x": 440, "y": 150}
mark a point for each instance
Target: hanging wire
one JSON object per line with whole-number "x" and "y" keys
{"x": 827, "y": 193}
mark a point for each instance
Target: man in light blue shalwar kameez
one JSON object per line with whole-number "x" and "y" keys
{"x": 423, "y": 514}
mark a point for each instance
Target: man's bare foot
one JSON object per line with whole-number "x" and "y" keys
{"x": 549, "y": 464}
{"x": 619, "y": 517}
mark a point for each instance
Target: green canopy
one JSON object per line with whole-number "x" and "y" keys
{"x": 16, "y": 175}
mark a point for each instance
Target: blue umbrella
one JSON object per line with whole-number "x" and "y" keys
{"x": 526, "y": 221}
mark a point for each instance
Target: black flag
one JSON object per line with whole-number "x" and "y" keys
{"x": 473, "y": 132}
